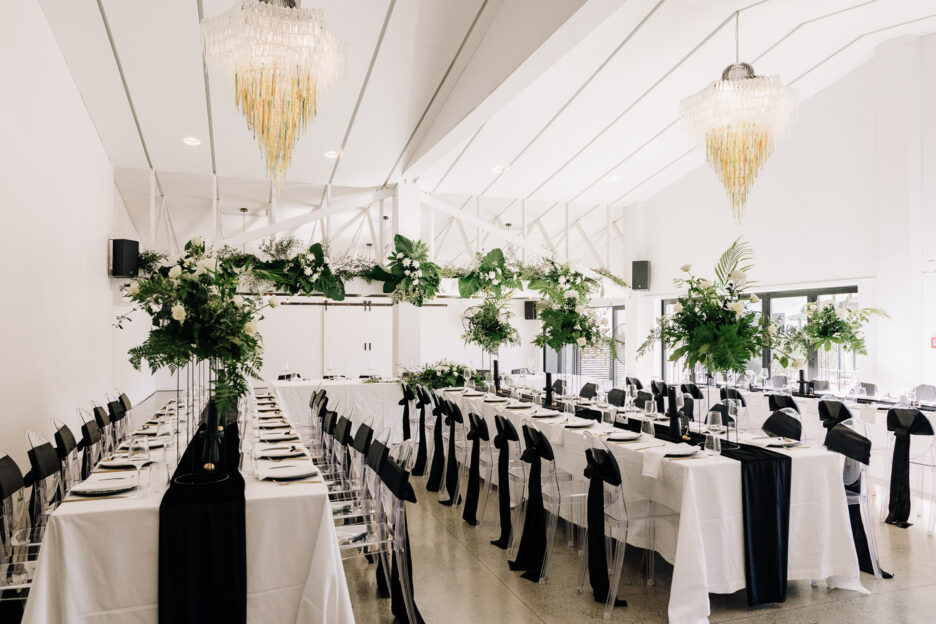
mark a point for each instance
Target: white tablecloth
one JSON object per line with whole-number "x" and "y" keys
{"x": 99, "y": 559}
{"x": 377, "y": 400}
{"x": 708, "y": 552}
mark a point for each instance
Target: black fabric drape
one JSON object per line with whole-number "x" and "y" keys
{"x": 784, "y": 423}
{"x": 765, "y": 499}
{"x": 434, "y": 482}
{"x": 904, "y": 422}
{"x": 419, "y": 467}
{"x": 505, "y": 434}
{"x": 599, "y": 469}
{"x": 532, "y": 549}
{"x": 832, "y": 412}
{"x": 202, "y": 532}
{"x": 397, "y": 481}
{"x": 408, "y": 397}
{"x": 453, "y": 419}
{"x": 781, "y": 401}
{"x": 470, "y": 512}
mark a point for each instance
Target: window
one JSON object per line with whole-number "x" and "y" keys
{"x": 789, "y": 308}
{"x": 593, "y": 365}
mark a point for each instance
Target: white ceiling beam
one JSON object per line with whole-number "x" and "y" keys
{"x": 152, "y": 207}
{"x": 591, "y": 248}
{"x": 342, "y": 205}
{"x": 546, "y": 236}
{"x": 505, "y": 52}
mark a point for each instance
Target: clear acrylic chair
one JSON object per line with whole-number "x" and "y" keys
{"x": 516, "y": 476}
{"x": 67, "y": 449}
{"x": 102, "y": 419}
{"x": 855, "y": 445}
{"x": 478, "y": 427}
{"x": 923, "y": 462}
{"x": 560, "y": 491}
{"x": 91, "y": 445}
{"x": 45, "y": 479}
{"x": 19, "y": 545}
{"x": 359, "y": 499}
{"x": 452, "y": 477}
{"x": 352, "y": 482}
{"x": 623, "y": 509}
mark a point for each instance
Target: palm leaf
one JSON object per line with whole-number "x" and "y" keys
{"x": 738, "y": 256}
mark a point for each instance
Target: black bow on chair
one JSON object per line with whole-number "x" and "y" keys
{"x": 904, "y": 422}
{"x": 408, "y": 397}
{"x": 422, "y": 400}
{"x": 600, "y": 469}
{"x": 476, "y": 434}
{"x": 783, "y": 423}
{"x": 781, "y": 401}
{"x": 434, "y": 482}
{"x": 506, "y": 433}
{"x": 833, "y": 412}
{"x": 854, "y": 446}
{"x": 453, "y": 418}
{"x": 532, "y": 549}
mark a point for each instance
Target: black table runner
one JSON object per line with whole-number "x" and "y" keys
{"x": 203, "y": 542}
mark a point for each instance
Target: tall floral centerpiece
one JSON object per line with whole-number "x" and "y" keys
{"x": 197, "y": 316}
{"x": 563, "y": 309}
{"x": 410, "y": 276}
{"x": 441, "y": 374}
{"x": 710, "y": 324}
{"x": 488, "y": 324}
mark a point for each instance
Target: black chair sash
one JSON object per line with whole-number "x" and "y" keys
{"x": 362, "y": 439}
{"x": 90, "y": 435}
{"x": 733, "y": 393}
{"x": 784, "y": 423}
{"x": 343, "y": 431}
{"x": 600, "y": 468}
{"x": 904, "y": 422}
{"x": 408, "y": 398}
{"x": 376, "y": 456}
{"x": 780, "y": 401}
{"x": 588, "y": 391}
{"x": 101, "y": 417}
{"x": 422, "y": 400}
{"x": 328, "y": 423}
{"x": 855, "y": 447}
{"x": 642, "y": 398}
{"x": 558, "y": 386}
{"x": 692, "y": 389}
{"x": 833, "y": 412}
{"x": 477, "y": 433}
{"x": 125, "y": 402}
{"x": 397, "y": 481}
{"x": 11, "y": 479}
{"x": 617, "y": 397}
{"x": 633, "y": 381}
{"x": 506, "y": 433}
{"x": 453, "y": 419}
{"x": 44, "y": 462}
{"x": 436, "y": 470}
{"x": 64, "y": 442}
{"x": 532, "y": 549}
{"x": 116, "y": 410}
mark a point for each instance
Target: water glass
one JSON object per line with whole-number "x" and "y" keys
{"x": 650, "y": 409}
{"x": 647, "y": 428}
{"x": 713, "y": 422}
{"x": 157, "y": 477}
{"x": 712, "y": 444}
{"x": 138, "y": 454}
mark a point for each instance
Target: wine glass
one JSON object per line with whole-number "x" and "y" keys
{"x": 138, "y": 455}
{"x": 713, "y": 422}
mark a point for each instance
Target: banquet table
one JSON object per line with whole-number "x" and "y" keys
{"x": 379, "y": 400}
{"x": 707, "y": 552}
{"x": 99, "y": 558}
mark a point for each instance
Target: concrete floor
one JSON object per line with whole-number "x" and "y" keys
{"x": 461, "y": 578}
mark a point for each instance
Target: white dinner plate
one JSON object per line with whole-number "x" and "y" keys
{"x": 624, "y": 436}
{"x": 580, "y": 424}
{"x": 280, "y": 452}
{"x": 781, "y": 442}
{"x": 274, "y": 425}
{"x": 117, "y": 463}
{"x": 453, "y": 389}
{"x": 153, "y": 444}
{"x": 520, "y": 407}
{"x": 105, "y": 486}
{"x": 279, "y": 436}
{"x": 289, "y": 471}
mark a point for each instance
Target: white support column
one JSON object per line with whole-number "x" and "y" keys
{"x": 381, "y": 235}
{"x": 152, "y": 208}
{"x": 523, "y": 228}
{"x": 407, "y": 318}
{"x": 567, "y": 231}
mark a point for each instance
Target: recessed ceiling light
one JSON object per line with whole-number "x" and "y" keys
{"x": 499, "y": 169}
{"x": 331, "y": 154}
{"x": 193, "y": 141}
{"x": 616, "y": 178}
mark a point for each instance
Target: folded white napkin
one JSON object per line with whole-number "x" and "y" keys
{"x": 653, "y": 457}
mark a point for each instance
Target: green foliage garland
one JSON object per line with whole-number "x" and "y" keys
{"x": 411, "y": 276}
{"x": 826, "y": 325}
{"x": 442, "y": 374}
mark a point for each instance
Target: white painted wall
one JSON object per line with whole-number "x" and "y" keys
{"x": 848, "y": 200}
{"x": 58, "y": 208}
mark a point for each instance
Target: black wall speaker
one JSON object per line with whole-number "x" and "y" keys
{"x": 640, "y": 275}
{"x": 529, "y": 310}
{"x": 124, "y": 256}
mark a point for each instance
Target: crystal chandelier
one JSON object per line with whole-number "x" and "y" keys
{"x": 739, "y": 119}
{"x": 281, "y": 59}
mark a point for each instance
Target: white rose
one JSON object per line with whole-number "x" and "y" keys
{"x": 685, "y": 268}
{"x": 175, "y": 271}
{"x": 419, "y": 273}
{"x": 799, "y": 363}
{"x": 178, "y": 312}
{"x": 406, "y": 272}
{"x": 677, "y": 308}
{"x": 772, "y": 329}
{"x": 755, "y": 299}
{"x": 198, "y": 241}
{"x": 737, "y": 307}
{"x": 415, "y": 264}
{"x": 491, "y": 275}
{"x": 134, "y": 289}
{"x": 307, "y": 270}
{"x": 581, "y": 342}
{"x": 738, "y": 277}
{"x": 704, "y": 284}
{"x": 273, "y": 301}
{"x": 562, "y": 279}
{"x": 250, "y": 327}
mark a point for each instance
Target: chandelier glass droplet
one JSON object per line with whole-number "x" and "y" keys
{"x": 281, "y": 59}
{"x": 740, "y": 119}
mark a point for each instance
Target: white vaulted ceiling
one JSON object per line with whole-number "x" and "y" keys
{"x": 577, "y": 99}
